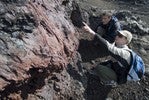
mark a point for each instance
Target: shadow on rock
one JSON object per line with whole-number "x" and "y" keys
{"x": 36, "y": 81}
{"x": 95, "y": 90}
{"x": 74, "y": 72}
{"x": 90, "y": 50}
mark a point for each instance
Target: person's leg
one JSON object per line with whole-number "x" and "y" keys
{"x": 105, "y": 73}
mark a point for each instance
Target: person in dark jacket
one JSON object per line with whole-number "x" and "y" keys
{"x": 109, "y": 26}
{"x": 117, "y": 68}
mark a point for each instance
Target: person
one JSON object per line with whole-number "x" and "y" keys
{"x": 116, "y": 69}
{"x": 108, "y": 27}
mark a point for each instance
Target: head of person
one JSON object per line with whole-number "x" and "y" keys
{"x": 123, "y": 37}
{"x": 106, "y": 17}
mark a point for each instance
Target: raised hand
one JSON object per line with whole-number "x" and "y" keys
{"x": 88, "y": 29}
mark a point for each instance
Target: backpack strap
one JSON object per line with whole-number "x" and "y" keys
{"x": 131, "y": 61}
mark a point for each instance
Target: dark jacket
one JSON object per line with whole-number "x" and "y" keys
{"x": 111, "y": 29}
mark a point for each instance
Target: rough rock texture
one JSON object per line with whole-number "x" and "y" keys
{"x": 131, "y": 17}
{"x": 44, "y": 55}
{"x": 36, "y": 39}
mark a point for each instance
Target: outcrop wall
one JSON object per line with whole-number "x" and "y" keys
{"x": 37, "y": 39}
{"x": 44, "y": 54}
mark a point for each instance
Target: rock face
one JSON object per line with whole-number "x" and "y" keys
{"x": 36, "y": 40}
{"x": 45, "y": 55}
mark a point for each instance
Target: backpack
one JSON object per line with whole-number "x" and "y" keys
{"x": 137, "y": 67}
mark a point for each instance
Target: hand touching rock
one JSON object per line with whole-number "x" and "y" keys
{"x": 88, "y": 29}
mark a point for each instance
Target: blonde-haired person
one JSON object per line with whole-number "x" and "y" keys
{"x": 117, "y": 68}
{"x": 108, "y": 27}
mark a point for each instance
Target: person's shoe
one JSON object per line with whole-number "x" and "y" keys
{"x": 110, "y": 83}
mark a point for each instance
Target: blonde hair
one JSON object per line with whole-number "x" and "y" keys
{"x": 106, "y": 13}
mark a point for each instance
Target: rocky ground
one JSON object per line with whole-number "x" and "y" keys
{"x": 45, "y": 55}
{"x": 130, "y": 90}
{"x": 137, "y": 7}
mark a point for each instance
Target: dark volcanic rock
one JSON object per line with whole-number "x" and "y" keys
{"x": 140, "y": 43}
{"x": 36, "y": 39}
{"x": 39, "y": 45}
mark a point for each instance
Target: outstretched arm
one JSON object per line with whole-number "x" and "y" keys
{"x": 115, "y": 52}
{"x": 97, "y": 36}
{"x": 88, "y": 29}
